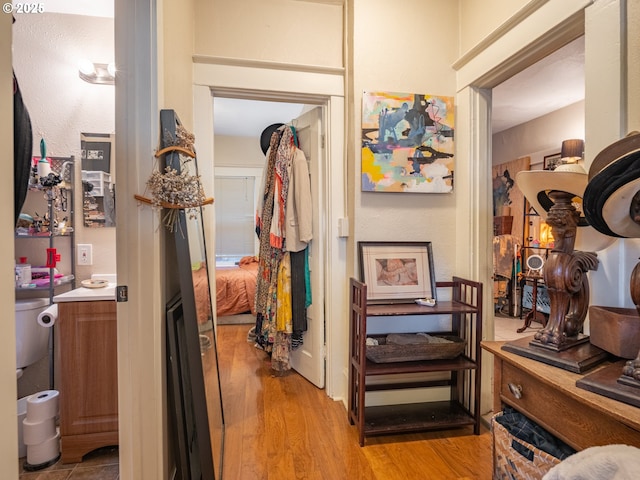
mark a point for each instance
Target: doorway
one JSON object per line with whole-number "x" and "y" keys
{"x": 323, "y": 90}
{"x": 239, "y": 160}
{"x": 533, "y": 111}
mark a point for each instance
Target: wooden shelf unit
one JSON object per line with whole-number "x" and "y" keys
{"x": 463, "y": 407}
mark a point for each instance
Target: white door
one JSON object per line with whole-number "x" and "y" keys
{"x": 309, "y": 359}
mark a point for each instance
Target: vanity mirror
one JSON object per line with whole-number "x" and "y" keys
{"x": 192, "y": 363}
{"x": 98, "y": 180}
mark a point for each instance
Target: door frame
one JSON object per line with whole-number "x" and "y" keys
{"x": 325, "y": 87}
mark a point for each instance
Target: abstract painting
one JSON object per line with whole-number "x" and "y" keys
{"x": 407, "y": 142}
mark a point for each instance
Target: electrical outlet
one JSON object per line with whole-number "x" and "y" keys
{"x": 85, "y": 254}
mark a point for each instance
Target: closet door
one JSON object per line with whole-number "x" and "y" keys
{"x": 309, "y": 358}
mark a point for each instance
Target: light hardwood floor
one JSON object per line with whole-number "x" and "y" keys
{"x": 283, "y": 427}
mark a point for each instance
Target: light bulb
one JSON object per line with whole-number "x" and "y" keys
{"x": 86, "y": 67}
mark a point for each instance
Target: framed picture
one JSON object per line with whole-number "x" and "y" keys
{"x": 397, "y": 271}
{"x": 550, "y": 162}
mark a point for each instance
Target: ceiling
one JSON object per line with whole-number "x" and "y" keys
{"x": 248, "y": 118}
{"x": 91, "y": 8}
{"x": 553, "y": 83}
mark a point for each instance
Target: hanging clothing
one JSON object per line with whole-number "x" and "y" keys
{"x": 299, "y": 214}
{"x": 284, "y": 228}
{"x": 283, "y": 159}
{"x": 298, "y": 292}
{"x": 268, "y": 256}
{"x": 22, "y": 149}
{"x": 283, "y": 296}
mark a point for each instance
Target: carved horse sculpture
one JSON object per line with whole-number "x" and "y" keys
{"x": 565, "y": 277}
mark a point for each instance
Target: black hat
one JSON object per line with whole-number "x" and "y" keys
{"x": 265, "y": 136}
{"x": 614, "y": 180}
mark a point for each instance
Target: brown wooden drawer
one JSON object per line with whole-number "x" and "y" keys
{"x": 557, "y": 412}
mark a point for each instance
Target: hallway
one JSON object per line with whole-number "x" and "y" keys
{"x": 285, "y": 428}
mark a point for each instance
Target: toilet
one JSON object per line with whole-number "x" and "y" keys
{"x": 32, "y": 339}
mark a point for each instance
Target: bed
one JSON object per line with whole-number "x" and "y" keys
{"x": 236, "y": 287}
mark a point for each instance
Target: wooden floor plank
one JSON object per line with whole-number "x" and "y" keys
{"x": 281, "y": 427}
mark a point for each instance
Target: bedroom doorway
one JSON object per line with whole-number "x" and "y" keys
{"x": 238, "y": 168}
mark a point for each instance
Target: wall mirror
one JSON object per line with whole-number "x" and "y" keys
{"x": 98, "y": 179}
{"x": 193, "y": 376}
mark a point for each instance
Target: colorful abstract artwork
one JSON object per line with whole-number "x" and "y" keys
{"x": 407, "y": 143}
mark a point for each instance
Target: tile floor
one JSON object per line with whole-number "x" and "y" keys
{"x": 101, "y": 464}
{"x": 505, "y": 327}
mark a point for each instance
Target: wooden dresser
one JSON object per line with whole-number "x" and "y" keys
{"x": 549, "y": 396}
{"x": 88, "y": 377}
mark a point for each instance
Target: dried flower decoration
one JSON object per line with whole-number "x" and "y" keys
{"x": 185, "y": 139}
{"x": 179, "y": 189}
{"x": 175, "y": 190}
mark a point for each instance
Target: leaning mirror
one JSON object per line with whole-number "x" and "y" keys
{"x": 193, "y": 376}
{"x": 98, "y": 180}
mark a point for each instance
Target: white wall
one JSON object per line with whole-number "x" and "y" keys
{"x": 47, "y": 48}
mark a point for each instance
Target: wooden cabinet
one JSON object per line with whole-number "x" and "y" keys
{"x": 549, "y": 396}
{"x": 87, "y": 356}
{"x": 461, "y": 375}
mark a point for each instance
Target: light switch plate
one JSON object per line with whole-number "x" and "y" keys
{"x": 85, "y": 254}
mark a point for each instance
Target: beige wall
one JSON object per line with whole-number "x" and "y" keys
{"x": 284, "y": 31}
{"x": 479, "y": 19}
{"x": 633, "y": 66}
{"x": 398, "y": 57}
{"x": 176, "y": 48}
{"x": 540, "y": 136}
{"x": 8, "y": 419}
{"x": 238, "y": 152}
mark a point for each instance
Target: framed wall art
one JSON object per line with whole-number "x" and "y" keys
{"x": 550, "y": 162}
{"x": 407, "y": 142}
{"x": 397, "y": 271}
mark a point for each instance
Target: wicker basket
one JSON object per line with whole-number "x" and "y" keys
{"x": 387, "y": 352}
{"x": 511, "y": 464}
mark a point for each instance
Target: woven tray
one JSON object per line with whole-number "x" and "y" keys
{"x": 509, "y": 462}
{"x": 388, "y": 353}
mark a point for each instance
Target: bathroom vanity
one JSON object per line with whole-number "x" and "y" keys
{"x": 87, "y": 370}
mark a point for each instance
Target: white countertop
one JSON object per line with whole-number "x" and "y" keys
{"x": 83, "y": 294}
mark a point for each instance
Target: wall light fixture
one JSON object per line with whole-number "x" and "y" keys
{"x": 97, "y": 73}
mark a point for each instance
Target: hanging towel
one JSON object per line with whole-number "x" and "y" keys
{"x": 504, "y": 255}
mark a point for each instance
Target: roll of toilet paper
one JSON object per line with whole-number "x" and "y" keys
{"x": 42, "y": 406}
{"x": 44, "y": 452}
{"x": 34, "y": 433}
{"x": 22, "y": 414}
{"x": 47, "y": 318}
